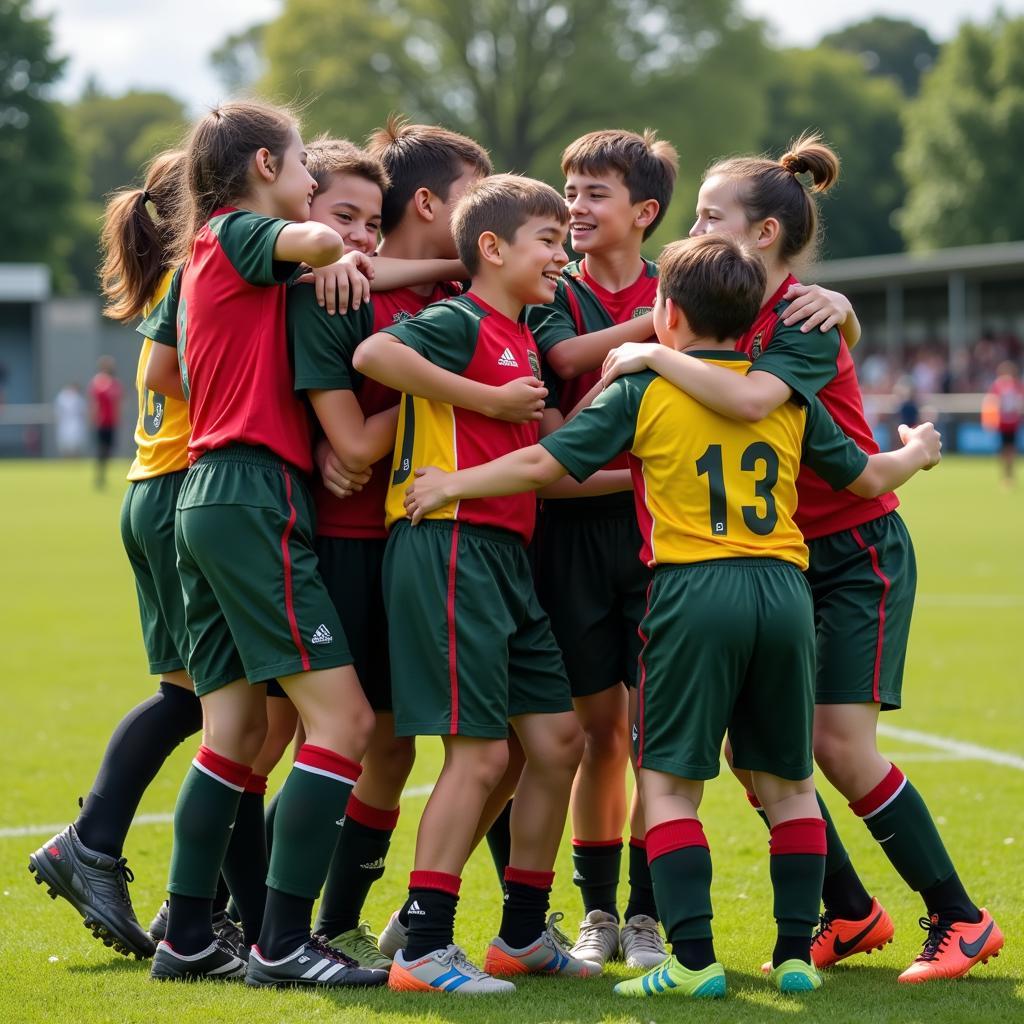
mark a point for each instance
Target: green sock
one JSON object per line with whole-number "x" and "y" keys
{"x": 681, "y": 872}
{"x": 596, "y": 873}
{"x": 203, "y": 817}
{"x": 797, "y": 867}
{"x": 311, "y": 808}
{"x": 897, "y": 817}
{"x": 641, "y": 888}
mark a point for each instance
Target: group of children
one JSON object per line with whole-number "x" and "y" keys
{"x": 333, "y": 529}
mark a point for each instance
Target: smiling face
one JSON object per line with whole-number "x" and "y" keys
{"x": 351, "y": 205}
{"x": 719, "y": 211}
{"x": 292, "y": 188}
{"x": 532, "y": 262}
{"x": 601, "y": 215}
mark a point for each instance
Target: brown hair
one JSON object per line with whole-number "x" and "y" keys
{"x": 136, "y": 246}
{"x": 647, "y": 165}
{"x": 421, "y": 156}
{"x": 716, "y": 282}
{"x": 771, "y": 188}
{"x": 501, "y": 203}
{"x": 217, "y": 156}
{"x": 326, "y": 157}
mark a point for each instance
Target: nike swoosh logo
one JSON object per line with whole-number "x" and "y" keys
{"x": 842, "y": 948}
{"x": 972, "y": 949}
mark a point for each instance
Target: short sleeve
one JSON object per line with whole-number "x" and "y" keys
{"x": 162, "y": 323}
{"x": 828, "y": 451}
{"x": 444, "y": 333}
{"x": 554, "y": 322}
{"x": 806, "y": 362}
{"x": 321, "y": 344}
{"x": 606, "y": 428}
{"x": 248, "y": 239}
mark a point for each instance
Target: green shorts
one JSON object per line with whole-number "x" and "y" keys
{"x": 863, "y": 582}
{"x": 255, "y": 605}
{"x": 470, "y": 645}
{"x": 592, "y": 584}
{"x": 352, "y": 571}
{"x": 147, "y": 530}
{"x": 728, "y": 647}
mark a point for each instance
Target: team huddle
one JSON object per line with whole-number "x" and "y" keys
{"x": 361, "y": 369}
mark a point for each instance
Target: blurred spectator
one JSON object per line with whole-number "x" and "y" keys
{"x": 105, "y": 396}
{"x": 1003, "y": 409}
{"x": 71, "y": 419}
{"x": 908, "y": 408}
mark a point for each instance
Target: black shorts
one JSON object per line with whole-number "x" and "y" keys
{"x": 104, "y": 441}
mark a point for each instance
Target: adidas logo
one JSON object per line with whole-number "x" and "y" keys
{"x": 636, "y": 732}
{"x": 374, "y": 865}
{"x": 322, "y": 635}
{"x": 415, "y": 908}
{"x": 340, "y": 821}
{"x": 507, "y": 359}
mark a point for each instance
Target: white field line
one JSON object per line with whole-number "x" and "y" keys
{"x": 968, "y": 751}
{"x": 412, "y": 793}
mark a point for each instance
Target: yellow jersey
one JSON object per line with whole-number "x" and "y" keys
{"x": 706, "y": 486}
{"x": 162, "y": 429}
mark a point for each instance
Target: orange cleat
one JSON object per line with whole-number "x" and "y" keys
{"x": 952, "y": 949}
{"x": 836, "y": 938}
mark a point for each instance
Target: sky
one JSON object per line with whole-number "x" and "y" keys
{"x": 165, "y": 44}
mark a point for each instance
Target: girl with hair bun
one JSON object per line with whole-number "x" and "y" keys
{"x": 862, "y": 571}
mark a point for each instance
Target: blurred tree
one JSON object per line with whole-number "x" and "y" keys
{"x": 893, "y": 47}
{"x": 964, "y": 144}
{"x": 859, "y": 116}
{"x": 238, "y": 62}
{"x": 37, "y": 157}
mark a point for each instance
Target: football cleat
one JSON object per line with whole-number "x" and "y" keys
{"x": 548, "y": 955}
{"x": 444, "y": 970}
{"x": 218, "y": 962}
{"x": 671, "y": 978}
{"x": 313, "y": 963}
{"x": 836, "y": 938}
{"x": 96, "y": 885}
{"x": 795, "y": 976}
{"x": 223, "y": 926}
{"x": 598, "y": 940}
{"x": 642, "y": 944}
{"x": 360, "y": 945}
{"x": 394, "y": 937}
{"x": 952, "y": 948}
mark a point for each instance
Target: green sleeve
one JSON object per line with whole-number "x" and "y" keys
{"x": 828, "y": 451}
{"x": 552, "y": 323}
{"x": 606, "y": 428}
{"x": 162, "y": 323}
{"x": 806, "y": 362}
{"x": 322, "y": 344}
{"x": 445, "y": 333}
{"x": 248, "y": 241}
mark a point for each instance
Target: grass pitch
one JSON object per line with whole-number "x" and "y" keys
{"x": 73, "y": 664}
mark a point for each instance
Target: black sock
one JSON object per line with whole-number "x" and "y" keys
{"x": 245, "y": 863}
{"x": 431, "y": 912}
{"x": 137, "y": 749}
{"x": 285, "y": 924}
{"x": 641, "y": 888}
{"x": 403, "y": 912}
{"x": 523, "y": 914}
{"x": 223, "y": 898}
{"x": 791, "y": 947}
{"x": 357, "y": 863}
{"x": 189, "y": 927}
{"x": 844, "y": 894}
{"x": 596, "y": 873}
{"x": 694, "y": 954}
{"x": 950, "y": 901}
{"x": 499, "y": 842}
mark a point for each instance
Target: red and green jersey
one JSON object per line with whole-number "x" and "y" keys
{"x": 706, "y": 486}
{"x": 225, "y": 311}
{"x": 817, "y": 364}
{"x": 466, "y": 336}
{"x": 322, "y": 347}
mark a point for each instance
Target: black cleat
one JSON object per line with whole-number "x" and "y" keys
{"x": 96, "y": 885}
{"x": 223, "y": 927}
{"x": 218, "y": 962}
{"x": 313, "y": 963}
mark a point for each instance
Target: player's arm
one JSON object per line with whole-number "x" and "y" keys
{"x": 526, "y": 469}
{"x": 358, "y": 440}
{"x": 390, "y": 273}
{"x": 163, "y": 374}
{"x": 885, "y": 471}
{"x": 582, "y": 352}
{"x": 383, "y": 357}
{"x": 812, "y": 306}
{"x": 311, "y": 243}
{"x": 749, "y": 397}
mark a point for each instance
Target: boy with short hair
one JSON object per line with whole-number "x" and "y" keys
{"x": 472, "y": 652}
{"x": 618, "y": 187}
{"x": 728, "y": 637}
{"x": 358, "y": 417}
